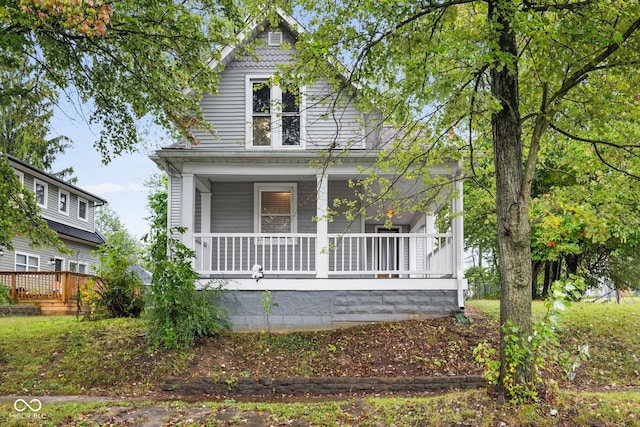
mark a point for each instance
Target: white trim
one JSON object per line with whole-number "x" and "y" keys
{"x": 20, "y": 175}
{"x": 28, "y": 255}
{"x": 37, "y": 182}
{"x": 276, "y": 114}
{"x": 275, "y": 38}
{"x": 259, "y": 187}
{"x": 299, "y": 284}
{"x": 67, "y": 202}
{"x": 77, "y": 264}
{"x": 86, "y": 211}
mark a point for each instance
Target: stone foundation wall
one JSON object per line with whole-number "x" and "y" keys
{"x": 19, "y": 310}
{"x": 319, "y": 386}
{"x": 296, "y": 310}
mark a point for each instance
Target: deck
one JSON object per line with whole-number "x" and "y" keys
{"x": 55, "y": 292}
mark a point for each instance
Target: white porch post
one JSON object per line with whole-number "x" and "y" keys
{"x": 457, "y": 227}
{"x": 205, "y": 209}
{"x": 322, "y": 227}
{"x": 188, "y": 208}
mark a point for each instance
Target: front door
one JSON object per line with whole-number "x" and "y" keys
{"x": 388, "y": 252}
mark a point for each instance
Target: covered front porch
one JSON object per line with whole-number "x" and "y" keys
{"x": 323, "y": 266}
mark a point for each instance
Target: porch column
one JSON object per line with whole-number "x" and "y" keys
{"x": 188, "y": 208}
{"x": 457, "y": 227}
{"x": 205, "y": 209}
{"x": 322, "y": 227}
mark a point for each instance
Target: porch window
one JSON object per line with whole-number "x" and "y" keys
{"x": 276, "y": 208}
{"x": 274, "y": 114}
{"x": 26, "y": 262}
{"x": 63, "y": 202}
{"x": 41, "y": 191}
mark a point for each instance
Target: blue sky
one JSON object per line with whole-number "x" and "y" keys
{"x": 121, "y": 182}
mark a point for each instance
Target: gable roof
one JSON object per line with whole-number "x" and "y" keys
{"x": 252, "y": 30}
{"x": 51, "y": 178}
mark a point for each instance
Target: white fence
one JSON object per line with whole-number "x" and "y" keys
{"x": 352, "y": 254}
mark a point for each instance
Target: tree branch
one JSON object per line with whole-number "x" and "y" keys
{"x": 595, "y": 143}
{"x": 594, "y": 64}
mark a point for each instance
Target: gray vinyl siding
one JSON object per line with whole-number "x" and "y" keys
{"x": 197, "y": 225}
{"x": 175, "y": 201}
{"x": 226, "y": 109}
{"x": 340, "y": 224}
{"x": 330, "y": 120}
{"x": 51, "y": 211}
{"x": 232, "y": 207}
{"x": 81, "y": 253}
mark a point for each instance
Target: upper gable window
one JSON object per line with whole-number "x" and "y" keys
{"x": 274, "y": 115}
{"x": 82, "y": 209}
{"x": 41, "y": 191}
{"x": 63, "y": 202}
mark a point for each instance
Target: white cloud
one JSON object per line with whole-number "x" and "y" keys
{"x": 111, "y": 188}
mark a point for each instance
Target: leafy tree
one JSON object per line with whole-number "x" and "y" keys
{"x": 178, "y": 312}
{"x": 121, "y": 294}
{"x": 126, "y": 60}
{"x": 522, "y": 75}
{"x": 20, "y": 212}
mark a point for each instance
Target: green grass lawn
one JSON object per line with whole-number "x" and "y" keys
{"x": 62, "y": 356}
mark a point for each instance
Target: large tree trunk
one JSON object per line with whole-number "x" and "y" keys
{"x": 512, "y": 194}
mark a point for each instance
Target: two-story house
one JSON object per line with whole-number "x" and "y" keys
{"x": 253, "y": 197}
{"x": 36, "y": 274}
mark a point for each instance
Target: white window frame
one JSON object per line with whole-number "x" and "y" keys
{"x": 68, "y": 201}
{"x": 259, "y": 188}
{"x": 86, "y": 211}
{"x": 27, "y": 265}
{"x": 276, "y": 114}
{"x": 77, "y": 264}
{"x": 20, "y": 176}
{"x": 37, "y": 182}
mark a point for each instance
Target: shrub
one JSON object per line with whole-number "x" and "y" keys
{"x": 5, "y": 295}
{"x": 178, "y": 312}
{"x": 121, "y": 292}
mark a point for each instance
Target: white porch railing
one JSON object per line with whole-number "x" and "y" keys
{"x": 236, "y": 253}
{"x": 391, "y": 254}
{"x": 354, "y": 254}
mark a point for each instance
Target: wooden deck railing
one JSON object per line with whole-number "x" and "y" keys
{"x": 56, "y": 285}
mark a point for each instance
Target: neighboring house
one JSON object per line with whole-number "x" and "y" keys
{"x": 254, "y": 205}
{"x": 69, "y": 211}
